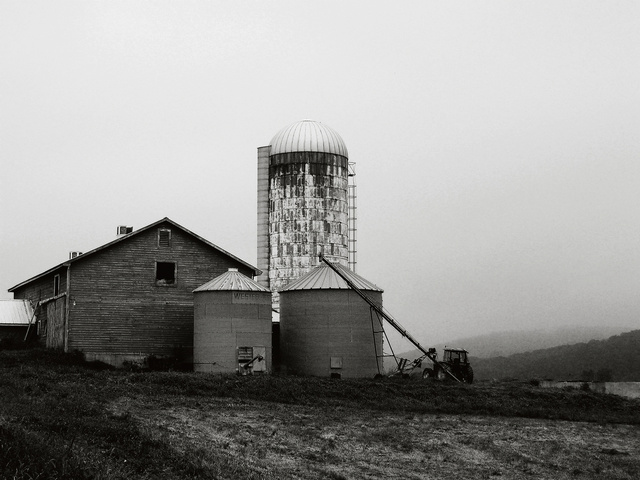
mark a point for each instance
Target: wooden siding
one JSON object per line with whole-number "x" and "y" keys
{"x": 116, "y": 308}
{"x": 41, "y": 290}
{"x": 55, "y": 324}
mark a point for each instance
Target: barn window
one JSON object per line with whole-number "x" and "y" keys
{"x": 164, "y": 237}
{"x": 56, "y": 285}
{"x": 165, "y": 273}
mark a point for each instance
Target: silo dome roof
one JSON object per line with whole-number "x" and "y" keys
{"x": 232, "y": 280}
{"x": 308, "y": 136}
{"x": 324, "y": 278}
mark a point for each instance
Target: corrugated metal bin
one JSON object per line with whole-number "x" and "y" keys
{"x": 327, "y": 329}
{"x": 232, "y": 326}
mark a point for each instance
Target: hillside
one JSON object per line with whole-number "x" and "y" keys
{"x": 614, "y": 359}
{"x": 502, "y": 344}
{"x": 61, "y": 418}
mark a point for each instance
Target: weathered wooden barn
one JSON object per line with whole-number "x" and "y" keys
{"x": 131, "y": 299}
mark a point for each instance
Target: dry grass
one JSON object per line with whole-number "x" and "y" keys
{"x": 61, "y": 418}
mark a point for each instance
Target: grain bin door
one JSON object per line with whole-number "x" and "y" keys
{"x": 260, "y": 366}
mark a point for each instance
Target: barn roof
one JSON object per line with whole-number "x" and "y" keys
{"x": 232, "y": 280}
{"x": 15, "y": 312}
{"x": 124, "y": 238}
{"x": 324, "y": 278}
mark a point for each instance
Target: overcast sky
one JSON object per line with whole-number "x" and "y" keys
{"x": 497, "y": 144}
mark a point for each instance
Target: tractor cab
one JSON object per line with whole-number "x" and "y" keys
{"x": 455, "y": 356}
{"x": 455, "y": 361}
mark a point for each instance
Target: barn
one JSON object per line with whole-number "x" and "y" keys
{"x": 131, "y": 299}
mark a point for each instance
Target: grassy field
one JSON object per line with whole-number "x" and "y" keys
{"x": 63, "y": 418}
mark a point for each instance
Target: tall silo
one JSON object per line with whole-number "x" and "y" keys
{"x": 303, "y": 208}
{"x": 327, "y": 329}
{"x": 232, "y": 325}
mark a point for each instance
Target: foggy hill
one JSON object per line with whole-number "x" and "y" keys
{"x": 614, "y": 359}
{"x": 511, "y": 342}
{"x": 508, "y": 343}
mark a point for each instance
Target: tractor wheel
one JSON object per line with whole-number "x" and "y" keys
{"x": 427, "y": 373}
{"x": 468, "y": 376}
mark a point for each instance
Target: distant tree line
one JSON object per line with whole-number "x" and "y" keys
{"x": 614, "y": 359}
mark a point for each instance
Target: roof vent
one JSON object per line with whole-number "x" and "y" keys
{"x": 74, "y": 254}
{"x": 123, "y": 230}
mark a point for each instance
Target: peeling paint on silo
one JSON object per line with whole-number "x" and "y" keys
{"x": 302, "y": 202}
{"x": 308, "y": 192}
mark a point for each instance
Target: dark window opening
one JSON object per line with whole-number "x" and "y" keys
{"x": 165, "y": 273}
{"x": 164, "y": 237}
{"x": 56, "y": 285}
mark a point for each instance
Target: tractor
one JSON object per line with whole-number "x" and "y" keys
{"x": 455, "y": 361}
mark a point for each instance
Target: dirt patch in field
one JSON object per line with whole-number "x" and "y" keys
{"x": 292, "y": 441}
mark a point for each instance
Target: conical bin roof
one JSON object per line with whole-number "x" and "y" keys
{"x": 232, "y": 280}
{"x": 324, "y": 278}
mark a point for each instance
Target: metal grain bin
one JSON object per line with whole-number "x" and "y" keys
{"x": 232, "y": 325}
{"x": 326, "y": 329}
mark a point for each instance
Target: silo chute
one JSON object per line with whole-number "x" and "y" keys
{"x": 402, "y": 364}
